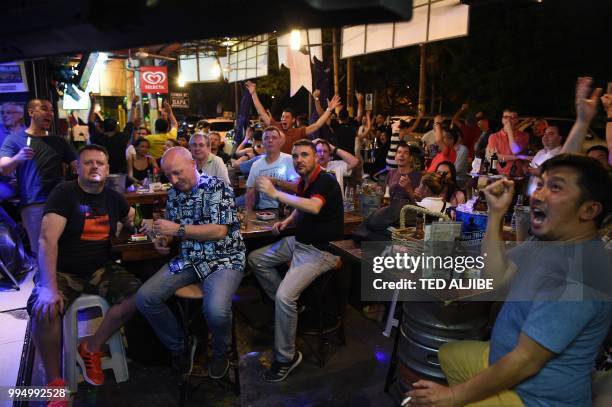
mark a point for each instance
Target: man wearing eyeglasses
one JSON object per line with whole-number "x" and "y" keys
{"x": 12, "y": 119}
{"x": 508, "y": 143}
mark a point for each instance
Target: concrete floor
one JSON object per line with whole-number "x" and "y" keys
{"x": 354, "y": 374}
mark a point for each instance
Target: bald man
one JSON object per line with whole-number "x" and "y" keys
{"x": 37, "y": 159}
{"x": 201, "y": 214}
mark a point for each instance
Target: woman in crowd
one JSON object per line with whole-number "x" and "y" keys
{"x": 453, "y": 195}
{"x": 431, "y": 192}
{"x": 141, "y": 163}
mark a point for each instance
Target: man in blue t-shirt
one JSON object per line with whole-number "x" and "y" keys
{"x": 37, "y": 159}
{"x": 547, "y": 335}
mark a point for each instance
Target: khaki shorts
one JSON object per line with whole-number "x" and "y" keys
{"x": 112, "y": 282}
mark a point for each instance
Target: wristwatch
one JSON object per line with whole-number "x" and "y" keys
{"x": 181, "y": 231}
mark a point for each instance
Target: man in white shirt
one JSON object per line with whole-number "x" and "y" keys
{"x": 205, "y": 160}
{"x": 340, "y": 168}
{"x": 275, "y": 165}
{"x": 553, "y": 142}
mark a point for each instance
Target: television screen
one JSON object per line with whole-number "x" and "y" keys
{"x": 12, "y": 78}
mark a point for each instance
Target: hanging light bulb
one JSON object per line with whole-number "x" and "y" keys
{"x": 295, "y": 40}
{"x": 181, "y": 80}
{"x": 216, "y": 70}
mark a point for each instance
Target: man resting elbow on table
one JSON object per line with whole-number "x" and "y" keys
{"x": 201, "y": 214}
{"x": 543, "y": 346}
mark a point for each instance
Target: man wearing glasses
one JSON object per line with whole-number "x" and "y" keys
{"x": 508, "y": 143}
{"x": 12, "y": 119}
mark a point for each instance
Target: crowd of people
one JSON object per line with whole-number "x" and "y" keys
{"x": 539, "y": 352}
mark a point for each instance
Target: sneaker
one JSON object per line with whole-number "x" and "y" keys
{"x": 279, "y": 371}
{"x": 59, "y": 403}
{"x": 91, "y": 364}
{"x": 182, "y": 366}
{"x": 218, "y": 367}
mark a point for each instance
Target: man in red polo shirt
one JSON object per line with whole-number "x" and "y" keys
{"x": 508, "y": 142}
{"x": 287, "y": 123}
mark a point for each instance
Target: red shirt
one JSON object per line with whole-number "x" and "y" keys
{"x": 470, "y": 134}
{"x": 499, "y": 142}
{"x": 291, "y": 135}
{"x": 448, "y": 154}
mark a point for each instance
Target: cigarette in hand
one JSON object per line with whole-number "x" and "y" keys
{"x": 406, "y": 401}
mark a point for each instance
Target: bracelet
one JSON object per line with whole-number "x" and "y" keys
{"x": 335, "y": 150}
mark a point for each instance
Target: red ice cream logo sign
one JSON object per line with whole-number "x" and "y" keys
{"x": 154, "y": 79}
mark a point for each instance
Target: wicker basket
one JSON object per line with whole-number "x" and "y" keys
{"x": 405, "y": 236}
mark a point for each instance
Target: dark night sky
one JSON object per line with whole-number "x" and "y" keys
{"x": 518, "y": 53}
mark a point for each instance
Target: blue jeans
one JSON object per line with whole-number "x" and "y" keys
{"x": 307, "y": 263}
{"x": 218, "y": 287}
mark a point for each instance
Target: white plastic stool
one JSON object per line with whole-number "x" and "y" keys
{"x": 116, "y": 361}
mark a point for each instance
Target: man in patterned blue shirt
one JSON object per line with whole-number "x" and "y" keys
{"x": 201, "y": 214}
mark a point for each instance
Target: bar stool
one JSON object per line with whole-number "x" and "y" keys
{"x": 313, "y": 297}
{"x": 116, "y": 361}
{"x": 184, "y": 295}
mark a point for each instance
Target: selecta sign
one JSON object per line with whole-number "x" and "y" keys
{"x": 154, "y": 79}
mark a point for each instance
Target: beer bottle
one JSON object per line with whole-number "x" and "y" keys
{"x": 494, "y": 162}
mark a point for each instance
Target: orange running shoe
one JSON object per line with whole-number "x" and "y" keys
{"x": 91, "y": 364}
{"x": 59, "y": 403}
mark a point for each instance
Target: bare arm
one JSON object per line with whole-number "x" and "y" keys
{"x": 331, "y": 105}
{"x": 129, "y": 218}
{"x": 170, "y": 113}
{"x": 416, "y": 122}
{"x": 586, "y": 108}
{"x": 350, "y": 160}
{"x": 10, "y": 164}
{"x": 309, "y": 205}
{"x": 51, "y": 229}
{"x": 265, "y": 117}
{"x": 91, "y": 117}
{"x": 498, "y": 266}
{"x": 241, "y": 149}
{"x": 200, "y": 233}
{"x": 130, "y": 165}
{"x": 316, "y": 94}
{"x": 359, "y": 106}
{"x": 133, "y": 110}
{"x": 457, "y": 115}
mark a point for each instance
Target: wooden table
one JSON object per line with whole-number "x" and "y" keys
{"x": 347, "y": 249}
{"x": 146, "y": 198}
{"x": 136, "y": 251}
{"x": 258, "y": 228}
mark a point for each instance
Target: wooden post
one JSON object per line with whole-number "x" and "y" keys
{"x": 422, "y": 77}
{"x": 349, "y": 86}
{"x": 335, "y": 62}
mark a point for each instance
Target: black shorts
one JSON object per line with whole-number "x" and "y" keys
{"x": 112, "y": 282}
